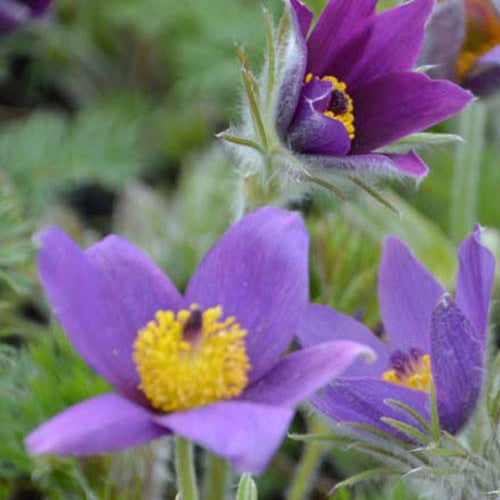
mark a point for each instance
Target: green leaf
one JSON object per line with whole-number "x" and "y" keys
{"x": 420, "y": 140}
{"x": 409, "y": 430}
{"x": 364, "y": 476}
{"x": 247, "y": 489}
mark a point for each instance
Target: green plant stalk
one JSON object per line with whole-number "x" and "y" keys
{"x": 466, "y": 170}
{"x": 309, "y": 463}
{"x": 216, "y": 478}
{"x": 184, "y": 467}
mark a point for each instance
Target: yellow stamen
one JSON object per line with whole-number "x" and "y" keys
{"x": 419, "y": 379}
{"x": 182, "y": 368}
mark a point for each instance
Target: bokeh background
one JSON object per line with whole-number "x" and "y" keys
{"x": 108, "y": 116}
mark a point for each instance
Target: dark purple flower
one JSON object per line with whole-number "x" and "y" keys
{"x": 429, "y": 337}
{"x": 463, "y": 43}
{"x": 348, "y": 89}
{"x": 14, "y": 13}
{"x": 208, "y": 365}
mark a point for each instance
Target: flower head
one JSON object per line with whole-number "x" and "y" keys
{"x": 431, "y": 339}
{"x": 193, "y": 364}
{"x": 463, "y": 44}
{"x": 14, "y": 13}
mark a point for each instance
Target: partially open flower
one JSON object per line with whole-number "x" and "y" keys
{"x": 431, "y": 339}
{"x": 14, "y": 13}
{"x": 463, "y": 44}
{"x": 209, "y": 365}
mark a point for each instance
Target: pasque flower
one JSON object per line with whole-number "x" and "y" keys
{"x": 431, "y": 338}
{"x": 209, "y": 365}
{"x": 348, "y": 89}
{"x": 463, "y": 44}
{"x": 14, "y": 13}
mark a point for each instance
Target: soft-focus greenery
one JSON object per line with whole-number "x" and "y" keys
{"x": 109, "y": 112}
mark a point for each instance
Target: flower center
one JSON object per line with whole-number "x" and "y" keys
{"x": 411, "y": 370}
{"x": 340, "y": 107}
{"x": 482, "y": 33}
{"x": 191, "y": 358}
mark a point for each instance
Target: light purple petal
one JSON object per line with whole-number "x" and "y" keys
{"x": 394, "y": 45}
{"x": 12, "y": 14}
{"x": 362, "y": 400}
{"x": 410, "y": 164}
{"x": 294, "y": 67}
{"x": 475, "y": 277}
{"x": 247, "y": 434}
{"x": 311, "y": 131}
{"x": 102, "y": 297}
{"x": 398, "y": 104}
{"x": 491, "y": 57}
{"x": 456, "y": 359}
{"x": 322, "y": 324}
{"x": 407, "y": 294}
{"x": 340, "y": 21}
{"x": 258, "y": 272}
{"x": 303, "y": 372}
{"x": 444, "y": 37}
{"x": 102, "y": 424}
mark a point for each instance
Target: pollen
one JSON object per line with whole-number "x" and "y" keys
{"x": 413, "y": 371}
{"x": 191, "y": 358}
{"x": 341, "y": 107}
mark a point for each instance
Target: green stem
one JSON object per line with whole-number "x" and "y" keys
{"x": 184, "y": 466}
{"x": 216, "y": 479}
{"x": 466, "y": 171}
{"x": 309, "y": 463}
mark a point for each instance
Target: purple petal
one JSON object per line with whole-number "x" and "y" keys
{"x": 385, "y": 165}
{"x": 407, "y": 294}
{"x": 362, "y": 400}
{"x": 102, "y": 298}
{"x": 38, "y": 7}
{"x": 484, "y": 78}
{"x": 304, "y": 16}
{"x": 398, "y": 104}
{"x": 340, "y": 21}
{"x": 311, "y": 131}
{"x": 303, "y": 372}
{"x": 444, "y": 37}
{"x": 401, "y": 27}
{"x": 12, "y": 14}
{"x": 322, "y": 324}
{"x": 245, "y": 433}
{"x": 456, "y": 360}
{"x": 258, "y": 272}
{"x": 475, "y": 277}
{"x": 102, "y": 424}
{"x": 491, "y": 57}
{"x": 294, "y": 67}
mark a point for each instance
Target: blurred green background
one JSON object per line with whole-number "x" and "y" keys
{"x": 108, "y": 113}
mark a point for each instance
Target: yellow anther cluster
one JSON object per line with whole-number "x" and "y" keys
{"x": 420, "y": 377}
{"x": 177, "y": 373}
{"x": 346, "y": 118}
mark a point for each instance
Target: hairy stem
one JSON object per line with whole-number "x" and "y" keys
{"x": 184, "y": 466}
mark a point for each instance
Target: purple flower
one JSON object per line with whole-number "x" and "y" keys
{"x": 463, "y": 42}
{"x": 429, "y": 337}
{"x": 348, "y": 88}
{"x": 14, "y": 13}
{"x": 208, "y": 365}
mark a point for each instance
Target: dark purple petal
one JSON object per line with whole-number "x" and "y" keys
{"x": 102, "y": 298}
{"x": 258, "y": 272}
{"x": 475, "y": 277}
{"x": 456, "y": 359}
{"x": 398, "y": 104}
{"x": 407, "y": 295}
{"x": 444, "y": 37}
{"x": 388, "y": 165}
{"x": 294, "y": 67}
{"x": 362, "y": 400}
{"x": 102, "y": 424}
{"x": 304, "y": 16}
{"x": 311, "y": 131}
{"x": 484, "y": 78}
{"x": 247, "y": 434}
{"x": 38, "y": 7}
{"x": 339, "y": 22}
{"x": 303, "y": 372}
{"x": 12, "y": 14}
{"x": 322, "y": 324}
{"x": 394, "y": 45}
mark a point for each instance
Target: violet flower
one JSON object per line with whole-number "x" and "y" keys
{"x": 348, "y": 89}
{"x": 208, "y": 365}
{"x": 463, "y": 43}
{"x": 430, "y": 337}
{"x": 14, "y": 13}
